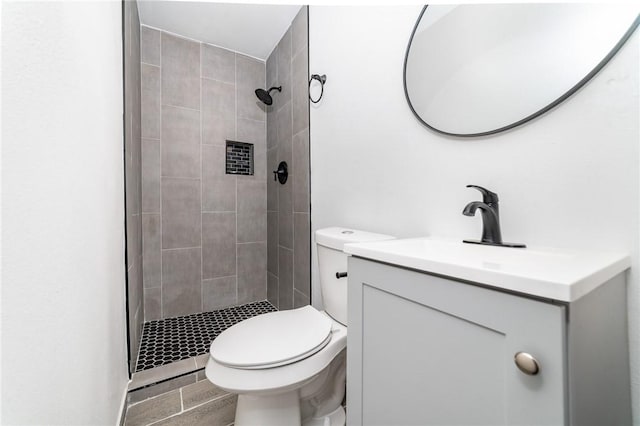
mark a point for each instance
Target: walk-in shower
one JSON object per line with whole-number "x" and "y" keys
{"x": 208, "y": 246}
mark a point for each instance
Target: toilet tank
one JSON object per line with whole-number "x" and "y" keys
{"x": 332, "y": 260}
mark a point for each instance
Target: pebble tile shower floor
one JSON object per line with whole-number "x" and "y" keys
{"x": 173, "y": 339}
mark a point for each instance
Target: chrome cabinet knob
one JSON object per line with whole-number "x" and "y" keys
{"x": 527, "y": 363}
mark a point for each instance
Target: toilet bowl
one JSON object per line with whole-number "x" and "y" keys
{"x": 288, "y": 367}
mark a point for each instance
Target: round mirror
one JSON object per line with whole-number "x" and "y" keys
{"x": 474, "y": 70}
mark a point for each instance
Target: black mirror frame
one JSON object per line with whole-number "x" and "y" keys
{"x": 536, "y": 114}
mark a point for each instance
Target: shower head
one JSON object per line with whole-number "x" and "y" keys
{"x": 265, "y": 96}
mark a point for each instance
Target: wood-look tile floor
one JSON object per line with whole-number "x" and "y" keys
{"x": 196, "y": 404}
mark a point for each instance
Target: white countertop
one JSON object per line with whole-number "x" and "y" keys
{"x": 558, "y": 274}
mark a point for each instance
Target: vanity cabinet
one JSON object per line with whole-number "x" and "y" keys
{"x": 426, "y": 349}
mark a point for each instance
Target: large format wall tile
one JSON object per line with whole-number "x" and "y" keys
{"x": 180, "y": 72}
{"x": 150, "y": 101}
{"x": 132, "y": 155}
{"x": 152, "y": 303}
{"x": 272, "y": 242}
{"x": 218, "y": 188}
{"x": 151, "y": 250}
{"x": 252, "y": 211}
{"x": 284, "y": 67}
{"x": 283, "y": 125}
{"x": 285, "y": 192}
{"x": 180, "y": 142}
{"x": 132, "y": 226}
{"x": 181, "y": 282}
{"x": 272, "y": 289}
{"x": 218, "y": 293}
{"x": 218, "y": 112}
{"x": 272, "y": 69}
{"x": 250, "y": 75}
{"x": 272, "y": 184}
{"x": 302, "y": 253}
{"x": 252, "y": 272}
{"x": 218, "y": 245}
{"x": 196, "y": 97}
{"x": 288, "y": 233}
{"x": 285, "y": 215}
{"x": 181, "y": 210}
{"x": 300, "y": 91}
{"x": 272, "y": 130}
{"x": 300, "y": 32}
{"x": 299, "y": 299}
{"x": 300, "y": 181}
{"x": 135, "y": 299}
{"x": 254, "y": 132}
{"x": 150, "y": 176}
{"x": 218, "y": 63}
{"x": 285, "y": 279}
{"x": 150, "y": 46}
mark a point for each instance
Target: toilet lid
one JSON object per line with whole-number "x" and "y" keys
{"x": 273, "y": 339}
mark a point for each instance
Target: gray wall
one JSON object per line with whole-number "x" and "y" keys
{"x": 288, "y": 226}
{"x": 204, "y": 232}
{"x": 133, "y": 176}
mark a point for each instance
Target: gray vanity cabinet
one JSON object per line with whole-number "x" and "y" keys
{"x": 429, "y": 350}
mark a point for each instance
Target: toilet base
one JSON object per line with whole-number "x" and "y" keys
{"x": 280, "y": 409}
{"x": 268, "y": 410}
{"x": 336, "y": 418}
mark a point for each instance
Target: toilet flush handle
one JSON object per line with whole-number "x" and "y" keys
{"x": 341, "y": 275}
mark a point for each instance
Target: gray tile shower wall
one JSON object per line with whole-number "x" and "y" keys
{"x": 133, "y": 154}
{"x": 204, "y": 232}
{"x": 288, "y": 222}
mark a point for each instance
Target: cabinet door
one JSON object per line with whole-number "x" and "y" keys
{"x": 425, "y": 350}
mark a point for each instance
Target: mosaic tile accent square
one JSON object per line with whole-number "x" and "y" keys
{"x": 239, "y": 158}
{"x": 173, "y": 339}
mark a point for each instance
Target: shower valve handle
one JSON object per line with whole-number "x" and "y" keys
{"x": 282, "y": 173}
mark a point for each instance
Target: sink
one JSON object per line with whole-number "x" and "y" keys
{"x": 559, "y": 274}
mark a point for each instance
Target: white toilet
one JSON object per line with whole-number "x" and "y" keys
{"x": 288, "y": 367}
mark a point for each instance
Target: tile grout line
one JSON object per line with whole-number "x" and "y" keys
{"x": 180, "y": 248}
{"x": 217, "y": 278}
{"x": 215, "y": 79}
{"x": 179, "y": 107}
{"x": 179, "y": 177}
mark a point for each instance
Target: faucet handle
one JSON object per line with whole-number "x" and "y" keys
{"x": 488, "y": 197}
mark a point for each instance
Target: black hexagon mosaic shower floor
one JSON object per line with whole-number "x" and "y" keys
{"x": 172, "y": 339}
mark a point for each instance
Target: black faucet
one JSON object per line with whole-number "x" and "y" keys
{"x": 491, "y": 234}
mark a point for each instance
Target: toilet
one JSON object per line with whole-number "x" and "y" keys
{"x": 288, "y": 367}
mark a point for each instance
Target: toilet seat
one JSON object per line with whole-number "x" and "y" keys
{"x": 280, "y": 379}
{"x": 272, "y": 340}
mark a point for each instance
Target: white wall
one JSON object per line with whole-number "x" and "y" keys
{"x": 567, "y": 179}
{"x": 64, "y": 355}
